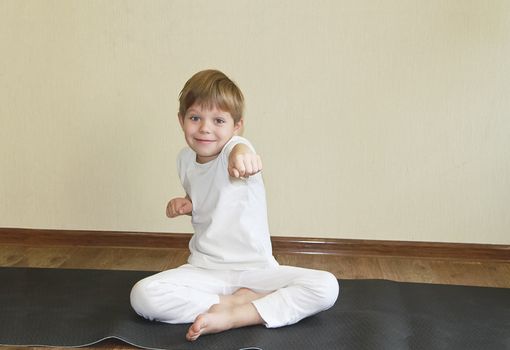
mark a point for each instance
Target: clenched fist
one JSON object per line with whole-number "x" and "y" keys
{"x": 179, "y": 206}
{"x": 243, "y": 162}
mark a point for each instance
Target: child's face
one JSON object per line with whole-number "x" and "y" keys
{"x": 207, "y": 130}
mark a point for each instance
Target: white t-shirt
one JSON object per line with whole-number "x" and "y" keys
{"x": 229, "y": 215}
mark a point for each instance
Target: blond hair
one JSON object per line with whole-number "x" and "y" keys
{"x": 211, "y": 88}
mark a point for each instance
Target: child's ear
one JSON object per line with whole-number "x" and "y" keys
{"x": 181, "y": 119}
{"x": 238, "y": 127}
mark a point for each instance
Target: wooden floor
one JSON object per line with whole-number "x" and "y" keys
{"x": 464, "y": 272}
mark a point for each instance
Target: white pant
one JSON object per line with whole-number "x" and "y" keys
{"x": 180, "y": 295}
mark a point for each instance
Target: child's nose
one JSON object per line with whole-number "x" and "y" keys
{"x": 204, "y": 127}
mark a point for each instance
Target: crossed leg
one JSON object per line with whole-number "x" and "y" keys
{"x": 218, "y": 300}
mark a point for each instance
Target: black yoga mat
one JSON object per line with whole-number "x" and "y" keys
{"x": 80, "y": 307}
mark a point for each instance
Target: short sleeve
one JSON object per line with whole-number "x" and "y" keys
{"x": 235, "y": 141}
{"x": 183, "y": 160}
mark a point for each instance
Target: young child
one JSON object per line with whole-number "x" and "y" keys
{"x": 232, "y": 279}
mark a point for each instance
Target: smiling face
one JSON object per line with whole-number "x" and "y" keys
{"x": 207, "y": 130}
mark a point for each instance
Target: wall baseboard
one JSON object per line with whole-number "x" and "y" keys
{"x": 283, "y": 245}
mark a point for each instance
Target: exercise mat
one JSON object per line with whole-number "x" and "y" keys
{"x": 64, "y": 307}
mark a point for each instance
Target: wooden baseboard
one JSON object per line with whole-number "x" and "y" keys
{"x": 283, "y": 245}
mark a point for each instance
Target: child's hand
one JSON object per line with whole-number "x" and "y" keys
{"x": 179, "y": 206}
{"x": 244, "y": 164}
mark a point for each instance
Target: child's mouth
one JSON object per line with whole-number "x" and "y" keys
{"x": 204, "y": 141}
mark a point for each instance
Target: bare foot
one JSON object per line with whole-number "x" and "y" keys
{"x": 216, "y": 319}
{"x": 233, "y": 311}
{"x": 243, "y": 296}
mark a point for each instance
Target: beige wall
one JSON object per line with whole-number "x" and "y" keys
{"x": 375, "y": 119}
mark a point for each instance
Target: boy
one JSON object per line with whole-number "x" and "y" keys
{"x": 232, "y": 279}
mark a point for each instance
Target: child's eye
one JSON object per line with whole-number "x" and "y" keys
{"x": 194, "y": 118}
{"x": 220, "y": 121}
